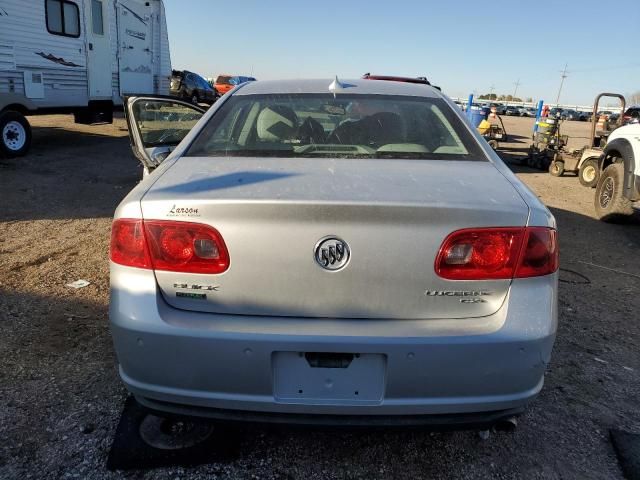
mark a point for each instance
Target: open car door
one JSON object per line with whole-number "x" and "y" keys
{"x": 157, "y": 125}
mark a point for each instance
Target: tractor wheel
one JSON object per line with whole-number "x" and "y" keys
{"x": 589, "y": 173}
{"x": 556, "y": 168}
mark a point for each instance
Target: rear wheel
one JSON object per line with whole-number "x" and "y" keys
{"x": 610, "y": 203}
{"x": 556, "y": 168}
{"x": 589, "y": 173}
{"x": 493, "y": 144}
{"x": 15, "y": 134}
{"x": 194, "y": 99}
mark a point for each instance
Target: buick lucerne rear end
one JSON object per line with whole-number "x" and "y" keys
{"x": 353, "y": 254}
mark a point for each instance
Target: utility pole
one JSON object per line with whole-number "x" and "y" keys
{"x": 491, "y": 89}
{"x": 515, "y": 90}
{"x": 562, "y": 77}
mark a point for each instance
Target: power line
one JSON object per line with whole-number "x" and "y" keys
{"x": 611, "y": 67}
{"x": 562, "y": 77}
{"x": 515, "y": 90}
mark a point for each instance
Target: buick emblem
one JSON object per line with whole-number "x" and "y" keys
{"x": 332, "y": 253}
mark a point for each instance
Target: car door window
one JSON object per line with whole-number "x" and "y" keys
{"x": 157, "y": 125}
{"x": 163, "y": 122}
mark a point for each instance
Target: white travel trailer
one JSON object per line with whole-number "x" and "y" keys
{"x": 76, "y": 56}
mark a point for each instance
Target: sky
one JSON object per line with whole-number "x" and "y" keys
{"x": 461, "y": 45}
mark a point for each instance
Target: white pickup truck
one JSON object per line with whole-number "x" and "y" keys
{"x": 619, "y": 184}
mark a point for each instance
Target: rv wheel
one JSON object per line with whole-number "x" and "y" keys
{"x": 15, "y": 134}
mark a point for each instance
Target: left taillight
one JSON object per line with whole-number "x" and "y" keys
{"x": 128, "y": 245}
{"x": 167, "y": 245}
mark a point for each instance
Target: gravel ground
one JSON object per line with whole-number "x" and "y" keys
{"x": 60, "y": 397}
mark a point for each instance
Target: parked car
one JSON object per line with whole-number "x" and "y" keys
{"x": 291, "y": 260}
{"x": 192, "y": 87}
{"x": 500, "y": 109}
{"x": 555, "y": 112}
{"x": 224, "y": 83}
{"x": 632, "y": 114}
{"x": 527, "y": 111}
{"x": 512, "y": 110}
{"x": 569, "y": 114}
{"x": 585, "y": 116}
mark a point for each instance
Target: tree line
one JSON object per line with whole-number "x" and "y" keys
{"x": 504, "y": 98}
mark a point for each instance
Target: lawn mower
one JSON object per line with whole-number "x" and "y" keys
{"x": 492, "y": 132}
{"x": 585, "y": 162}
{"x": 548, "y": 144}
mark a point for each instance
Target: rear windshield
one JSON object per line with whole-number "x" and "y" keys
{"x": 223, "y": 80}
{"x": 348, "y": 126}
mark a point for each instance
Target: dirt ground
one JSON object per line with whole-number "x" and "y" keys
{"x": 60, "y": 396}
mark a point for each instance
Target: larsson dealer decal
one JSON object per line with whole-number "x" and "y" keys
{"x": 183, "y": 212}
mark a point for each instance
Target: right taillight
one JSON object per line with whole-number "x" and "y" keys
{"x": 539, "y": 253}
{"x": 498, "y": 253}
{"x": 168, "y": 245}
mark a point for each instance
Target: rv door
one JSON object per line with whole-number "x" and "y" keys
{"x": 157, "y": 125}
{"x": 98, "y": 50}
{"x": 135, "y": 38}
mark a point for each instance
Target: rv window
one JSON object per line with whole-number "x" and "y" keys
{"x": 96, "y": 17}
{"x": 63, "y": 18}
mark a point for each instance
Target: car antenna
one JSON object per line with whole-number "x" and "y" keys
{"x": 336, "y": 86}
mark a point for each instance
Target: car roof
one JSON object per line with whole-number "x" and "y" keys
{"x": 351, "y": 86}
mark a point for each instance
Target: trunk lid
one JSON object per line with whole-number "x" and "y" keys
{"x": 393, "y": 215}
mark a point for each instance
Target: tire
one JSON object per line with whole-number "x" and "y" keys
{"x": 493, "y": 144}
{"x": 610, "y": 203}
{"x": 589, "y": 173}
{"x": 15, "y": 134}
{"x": 556, "y": 168}
{"x": 194, "y": 99}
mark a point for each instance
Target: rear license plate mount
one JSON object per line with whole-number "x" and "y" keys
{"x": 318, "y": 378}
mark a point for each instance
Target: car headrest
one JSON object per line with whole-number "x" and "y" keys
{"x": 276, "y": 122}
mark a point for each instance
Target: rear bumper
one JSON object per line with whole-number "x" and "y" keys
{"x": 223, "y": 365}
{"x": 456, "y": 421}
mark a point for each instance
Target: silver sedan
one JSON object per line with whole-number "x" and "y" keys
{"x": 327, "y": 251}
